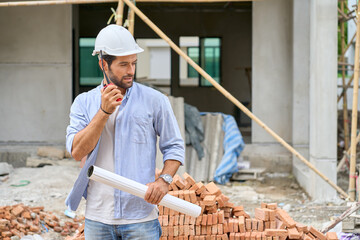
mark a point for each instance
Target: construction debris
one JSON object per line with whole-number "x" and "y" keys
{"x": 20, "y": 220}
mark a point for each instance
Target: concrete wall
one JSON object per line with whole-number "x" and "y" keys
{"x": 36, "y": 73}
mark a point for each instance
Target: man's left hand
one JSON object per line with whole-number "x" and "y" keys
{"x": 156, "y": 191}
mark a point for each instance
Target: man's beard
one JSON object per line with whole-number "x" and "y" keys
{"x": 120, "y": 82}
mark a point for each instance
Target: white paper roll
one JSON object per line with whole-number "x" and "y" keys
{"x": 138, "y": 189}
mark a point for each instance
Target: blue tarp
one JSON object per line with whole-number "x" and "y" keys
{"x": 233, "y": 146}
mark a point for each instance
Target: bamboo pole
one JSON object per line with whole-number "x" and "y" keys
{"x": 350, "y": 43}
{"x": 131, "y": 21}
{"x": 60, "y": 2}
{"x": 230, "y": 97}
{"x": 353, "y": 208}
{"x": 120, "y": 12}
{"x": 352, "y": 174}
{"x": 345, "y": 88}
{"x": 345, "y": 110}
{"x": 347, "y": 153}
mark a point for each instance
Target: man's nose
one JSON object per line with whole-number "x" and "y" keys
{"x": 131, "y": 69}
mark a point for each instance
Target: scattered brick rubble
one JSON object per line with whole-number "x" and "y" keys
{"x": 19, "y": 220}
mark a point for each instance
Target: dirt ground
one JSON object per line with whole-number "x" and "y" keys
{"x": 50, "y": 185}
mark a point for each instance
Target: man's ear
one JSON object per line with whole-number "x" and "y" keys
{"x": 105, "y": 65}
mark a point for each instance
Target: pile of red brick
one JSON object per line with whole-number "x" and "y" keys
{"x": 221, "y": 220}
{"x": 19, "y": 220}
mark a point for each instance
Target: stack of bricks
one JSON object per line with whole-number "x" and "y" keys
{"x": 19, "y": 220}
{"x": 222, "y": 220}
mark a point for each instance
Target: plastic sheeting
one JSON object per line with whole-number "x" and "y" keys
{"x": 223, "y": 144}
{"x": 233, "y": 146}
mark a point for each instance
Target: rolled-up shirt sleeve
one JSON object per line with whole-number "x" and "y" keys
{"x": 171, "y": 143}
{"x": 77, "y": 122}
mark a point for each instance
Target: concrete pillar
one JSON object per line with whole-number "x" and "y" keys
{"x": 323, "y": 98}
{"x": 271, "y": 82}
{"x": 272, "y": 69}
{"x": 301, "y": 88}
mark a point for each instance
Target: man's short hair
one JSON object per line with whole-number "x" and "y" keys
{"x": 109, "y": 59}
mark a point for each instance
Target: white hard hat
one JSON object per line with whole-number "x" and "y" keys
{"x": 117, "y": 41}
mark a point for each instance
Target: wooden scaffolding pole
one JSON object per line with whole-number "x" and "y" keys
{"x": 346, "y": 154}
{"x": 345, "y": 88}
{"x": 342, "y": 59}
{"x": 60, "y": 2}
{"x": 131, "y": 21}
{"x": 230, "y": 97}
{"x": 120, "y": 13}
{"x": 352, "y": 174}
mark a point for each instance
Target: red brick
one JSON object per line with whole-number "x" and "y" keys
{"x": 171, "y": 220}
{"x": 275, "y": 232}
{"x": 220, "y": 228}
{"x": 272, "y": 206}
{"x": 181, "y": 219}
{"x": 302, "y": 228}
{"x": 176, "y": 220}
{"x": 203, "y": 230}
{"x": 17, "y": 210}
{"x": 208, "y": 230}
{"x": 285, "y": 218}
{"x": 187, "y": 196}
{"x": 248, "y": 224}
{"x": 188, "y": 178}
{"x": 231, "y": 225}
{"x": 242, "y": 224}
{"x": 215, "y": 218}
{"x": 198, "y": 220}
{"x": 221, "y": 217}
{"x": 6, "y": 234}
{"x": 214, "y": 229}
{"x": 192, "y": 196}
{"x": 224, "y": 237}
{"x": 293, "y": 233}
{"x": 272, "y": 224}
{"x": 204, "y": 220}
{"x": 236, "y": 225}
{"x": 317, "y": 233}
{"x": 213, "y": 189}
{"x": 201, "y": 188}
{"x": 331, "y": 236}
{"x": 254, "y": 224}
{"x": 209, "y": 219}
{"x": 186, "y": 230}
{"x": 171, "y": 231}
{"x": 176, "y": 231}
{"x": 165, "y": 220}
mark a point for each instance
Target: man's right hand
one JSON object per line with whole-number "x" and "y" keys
{"x": 109, "y": 98}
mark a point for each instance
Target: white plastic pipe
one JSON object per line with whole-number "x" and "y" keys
{"x": 139, "y": 190}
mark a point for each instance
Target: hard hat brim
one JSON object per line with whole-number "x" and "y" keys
{"x": 118, "y": 53}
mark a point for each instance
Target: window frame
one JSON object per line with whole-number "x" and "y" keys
{"x": 200, "y": 78}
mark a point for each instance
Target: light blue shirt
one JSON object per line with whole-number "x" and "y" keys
{"x": 143, "y": 114}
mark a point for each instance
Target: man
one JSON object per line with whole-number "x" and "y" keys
{"x": 115, "y": 126}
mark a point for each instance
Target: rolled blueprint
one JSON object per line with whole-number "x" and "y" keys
{"x": 139, "y": 190}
